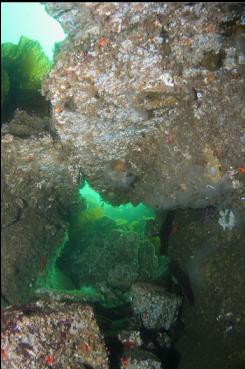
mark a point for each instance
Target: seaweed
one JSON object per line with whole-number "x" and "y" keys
{"x": 23, "y": 67}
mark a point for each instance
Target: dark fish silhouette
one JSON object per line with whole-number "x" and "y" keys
{"x": 183, "y": 280}
{"x": 181, "y": 277}
{"x": 165, "y": 232}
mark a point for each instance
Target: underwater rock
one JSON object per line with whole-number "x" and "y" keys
{"x": 37, "y": 198}
{"x": 148, "y": 95}
{"x": 119, "y": 175}
{"x": 104, "y": 256}
{"x": 156, "y": 307}
{"x": 59, "y": 335}
{"x": 110, "y": 257}
{"x": 130, "y": 339}
{"x": 214, "y": 259}
{"x": 24, "y": 125}
{"x": 139, "y": 359}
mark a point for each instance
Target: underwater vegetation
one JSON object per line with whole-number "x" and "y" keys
{"x": 22, "y": 68}
{"x": 106, "y": 249}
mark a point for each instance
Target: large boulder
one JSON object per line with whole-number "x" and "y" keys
{"x": 53, "y": 334}
{"x": 149, "y": 99}
{"x": 157, "y": 308}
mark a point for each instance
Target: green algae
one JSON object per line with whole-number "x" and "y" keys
{"x": 23, "y": 67}
{"x": 25, "y": 63}
{"x": 52, "y": 277}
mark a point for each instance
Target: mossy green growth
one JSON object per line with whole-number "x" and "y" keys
{"x": 52, "y": 277}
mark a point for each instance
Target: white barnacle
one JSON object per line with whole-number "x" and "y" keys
{"x": 167, "y": 79}
{"x": 226, "y": 219}
{"x": 199, "y": 95}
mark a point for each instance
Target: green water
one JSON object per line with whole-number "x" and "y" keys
{"x": 127, "y": 212}
{"x": 29, "y": 37}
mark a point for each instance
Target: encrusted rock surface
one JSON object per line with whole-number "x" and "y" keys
{"x": 37, "y": 197}
{"x": 54, "y": 335}
{"x": 139, "y": 359}
{"x": 149, "y": 98}
{"x": 156, "y": 307}
{"x": 148, "y": 105}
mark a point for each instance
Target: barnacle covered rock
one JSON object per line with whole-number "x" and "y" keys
{"x": 51, "y": 334}
{"x": 150, "y": 94}
{"x": 139, "y": 359}
{"x": 156, "y": 307}
{"x": 25, "y": 125}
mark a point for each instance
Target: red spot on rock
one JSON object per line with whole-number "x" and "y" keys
{"x": 30, "y": 157}
{"x": 170, "y": 139}
{"x": 241, "y": 170}
{"x": 4, "y": 354}
{"x": 102, "y": 42}
{"x": 186, "y": 42}
{"x": 129, "y": 344}
{"x": 85, "y": 347}
{"x": 124, "y": 361}
{"x": 49, "y": 360}
{"x": 58, "y": 109}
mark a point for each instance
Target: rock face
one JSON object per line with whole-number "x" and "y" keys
{"x": 56, "y": 335}
{"x": 214, "y": 259}
{"x": 147, "y": 102}
{"x": 37, "y": 196}
{"x": 148, "y": 98}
